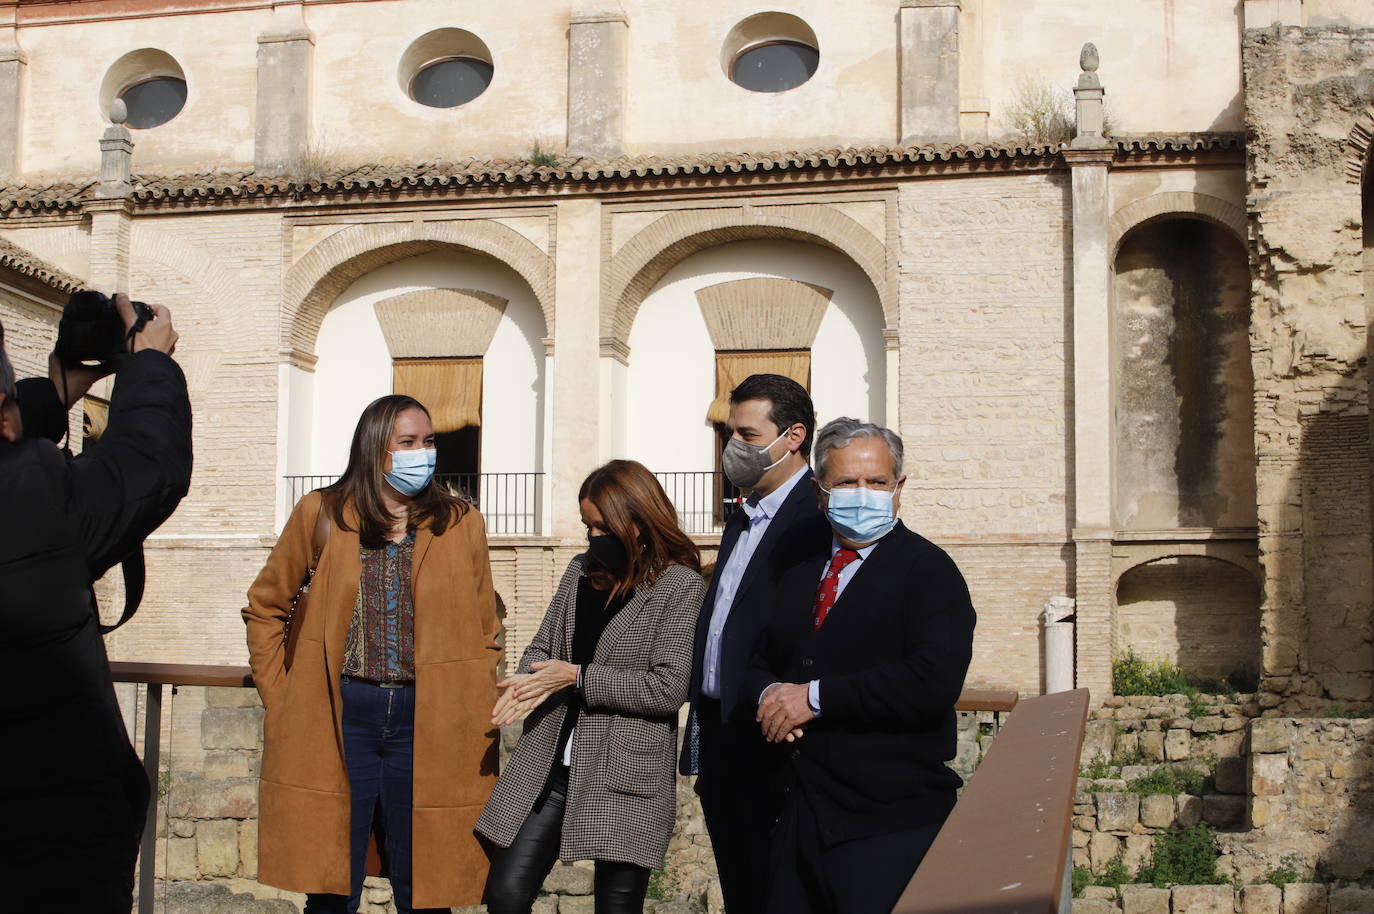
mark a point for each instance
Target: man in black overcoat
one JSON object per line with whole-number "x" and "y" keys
{"x": 771, "y": 424}
{"x": 856, "y": 676}
{"x": 72, "y": 791}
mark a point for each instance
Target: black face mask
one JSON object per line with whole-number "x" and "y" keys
{"x": 606, "y": 553}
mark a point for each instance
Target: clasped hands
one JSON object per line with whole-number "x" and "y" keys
{"x": 523, "y": 692}
{"x": 784, "y": 709}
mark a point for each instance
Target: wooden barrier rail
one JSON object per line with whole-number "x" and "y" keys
{"x": 1005, "y": 847}
{"x": 157, "y": 675}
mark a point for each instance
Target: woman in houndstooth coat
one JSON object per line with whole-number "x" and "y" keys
{"x": 593, "y": 775}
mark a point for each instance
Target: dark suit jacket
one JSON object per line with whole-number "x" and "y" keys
{"x": 891, "y": 659}
{"x": 797, "y": 530}
{"x": 66, "y": 521}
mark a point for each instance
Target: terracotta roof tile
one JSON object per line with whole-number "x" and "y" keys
{"x": 183, "y": 186}
{"x": 13, "y": 257}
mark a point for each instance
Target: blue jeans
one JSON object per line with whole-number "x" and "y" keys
{"x": 379, "y": 743}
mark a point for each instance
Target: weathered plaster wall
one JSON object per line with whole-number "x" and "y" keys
{"x": 1305, "y": 91}
{"x": 1184, "y": 408}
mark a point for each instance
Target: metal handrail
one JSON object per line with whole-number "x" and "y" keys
{"x": 1005, "y": 849}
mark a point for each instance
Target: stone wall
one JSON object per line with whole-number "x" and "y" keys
{"x": 1305, "y": 92}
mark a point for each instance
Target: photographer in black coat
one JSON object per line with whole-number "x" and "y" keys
{"x": 73, "y": 795}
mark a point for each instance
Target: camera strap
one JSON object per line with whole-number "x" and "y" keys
{"x": 135, "y": 576}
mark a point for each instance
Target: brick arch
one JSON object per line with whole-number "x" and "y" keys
{"x": 1361, "y": 138}
{"x": 648, "y": 256}
{"x": 327, "y": 269}
{"x": 1176, "y": 203}
{"x": 1235, "y": 552}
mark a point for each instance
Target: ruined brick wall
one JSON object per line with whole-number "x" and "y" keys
{"x": 1305, "y": 90}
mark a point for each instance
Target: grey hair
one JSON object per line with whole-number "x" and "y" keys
{"x": 842, "y": 432}
{"x": 7, "y": 386}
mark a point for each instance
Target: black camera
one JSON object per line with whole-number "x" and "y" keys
{"x": 91, "y": 329}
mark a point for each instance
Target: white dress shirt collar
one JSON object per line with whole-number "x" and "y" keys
{"x": 769, "y": 505}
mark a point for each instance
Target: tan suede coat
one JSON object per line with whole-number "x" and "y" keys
{"x": 304, "y": 794}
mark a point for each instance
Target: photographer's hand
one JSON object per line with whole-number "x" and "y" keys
{"x": 77, "y": 379}
{"x": 156, "y": 334}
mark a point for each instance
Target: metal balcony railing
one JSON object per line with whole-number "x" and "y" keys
{"x": 704, "y": 499}
{"x": 511, "y": 503}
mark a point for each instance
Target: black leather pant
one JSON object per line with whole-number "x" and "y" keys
{"x": 518, "y": 871}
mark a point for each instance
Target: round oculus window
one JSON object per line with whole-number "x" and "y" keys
{"x": 451, "y": 82}
{"x": 154, "y": 102}
{"x": 775, "y": 66}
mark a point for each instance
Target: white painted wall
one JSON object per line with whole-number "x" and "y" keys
{"x": 355, "y": 368}
{"x": 671, "y": 377}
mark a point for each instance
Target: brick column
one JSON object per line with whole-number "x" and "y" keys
{"x": 929, "y": 47}
{"x": 1094, "y": 390}
{"x": 110, "y": 212}
{"x": 13, "y": 64}
{"x": 285, "y": 55}
{"x": 597, "y": 43}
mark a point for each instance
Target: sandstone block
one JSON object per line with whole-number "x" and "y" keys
{"x": 1178, "y": 744}
{"x": 1228, "y": 744}
{"x": 1231, "y": 775}
{"x": 1304, "y": 898}
{"x": 1223, "y": 810}
{"x": 232, "y": 764}
{"x": 217, "y": 847}
{"x": 1093, "y": 906}
{"x": 1157, "y": 811}
{"x": 1117, "y": 811}
{"x": 184, "y": 828}
{"x": 1139, "y": 850}
{"x": 223, "y": 697}
{"x": 1142, "y": 899}
{"x": 1207, "y": 725}
{"x": 1103, "y": 848}
{"x": 545, "y": 904}
{"x": 248, "y": 849}
{"x": 576, "y": 904}
{"x": 1204, "y": 899}
{"x": 1152, "y": 745}
{"x": 1259, "y": 812}
{"x": 1261, "y": 899}
{"x": 1127, "y": 743}
{"x": 197, "y": 798}
{"x": 1268, "y": 774}
{"x": 1189, "y": 809}
{"x": 1080, "y": 837}
{"x": 1352, "y": 900}
{"x": 181, "y": 859}
{"x": 1100, "y": 891}
{"x": 1269, "y": 736}
{"x": 1232, "y": 724}
{"x": 231, "y": 728}
{"x": 1131, "y": 772}
{"x": 1098, "y": 738}
{"x": 569, "y": 880}
{"x": 1351, "y": 768}
{"x": 1081, "y": 858}
{"x": 715, "y": 898}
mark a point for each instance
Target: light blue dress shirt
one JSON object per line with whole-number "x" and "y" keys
{"x": 760, "y": 515}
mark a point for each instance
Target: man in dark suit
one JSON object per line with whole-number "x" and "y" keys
{"x": 771, "y": 425}
{"x": 856, "y": 677}
{"x": 74, "y": 792}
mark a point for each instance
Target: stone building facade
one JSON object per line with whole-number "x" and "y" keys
{"x": 1125, "y": 345}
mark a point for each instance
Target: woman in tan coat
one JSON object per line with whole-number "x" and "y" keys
{"x": 387, "y": 699}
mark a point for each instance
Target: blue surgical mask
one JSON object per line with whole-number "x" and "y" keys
{"x": 411, "y": 470}
{"x": 860, "y": 515}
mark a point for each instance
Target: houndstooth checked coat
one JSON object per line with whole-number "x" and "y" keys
{"x": 621, "y": 793}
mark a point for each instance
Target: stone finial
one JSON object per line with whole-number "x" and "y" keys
{"x": 1088, "y": 59}
{"x": 116, "y": 155}
{"x": 1089, "y": 118}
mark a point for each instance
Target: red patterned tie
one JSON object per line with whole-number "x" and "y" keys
{"x": 829, "y": 591}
